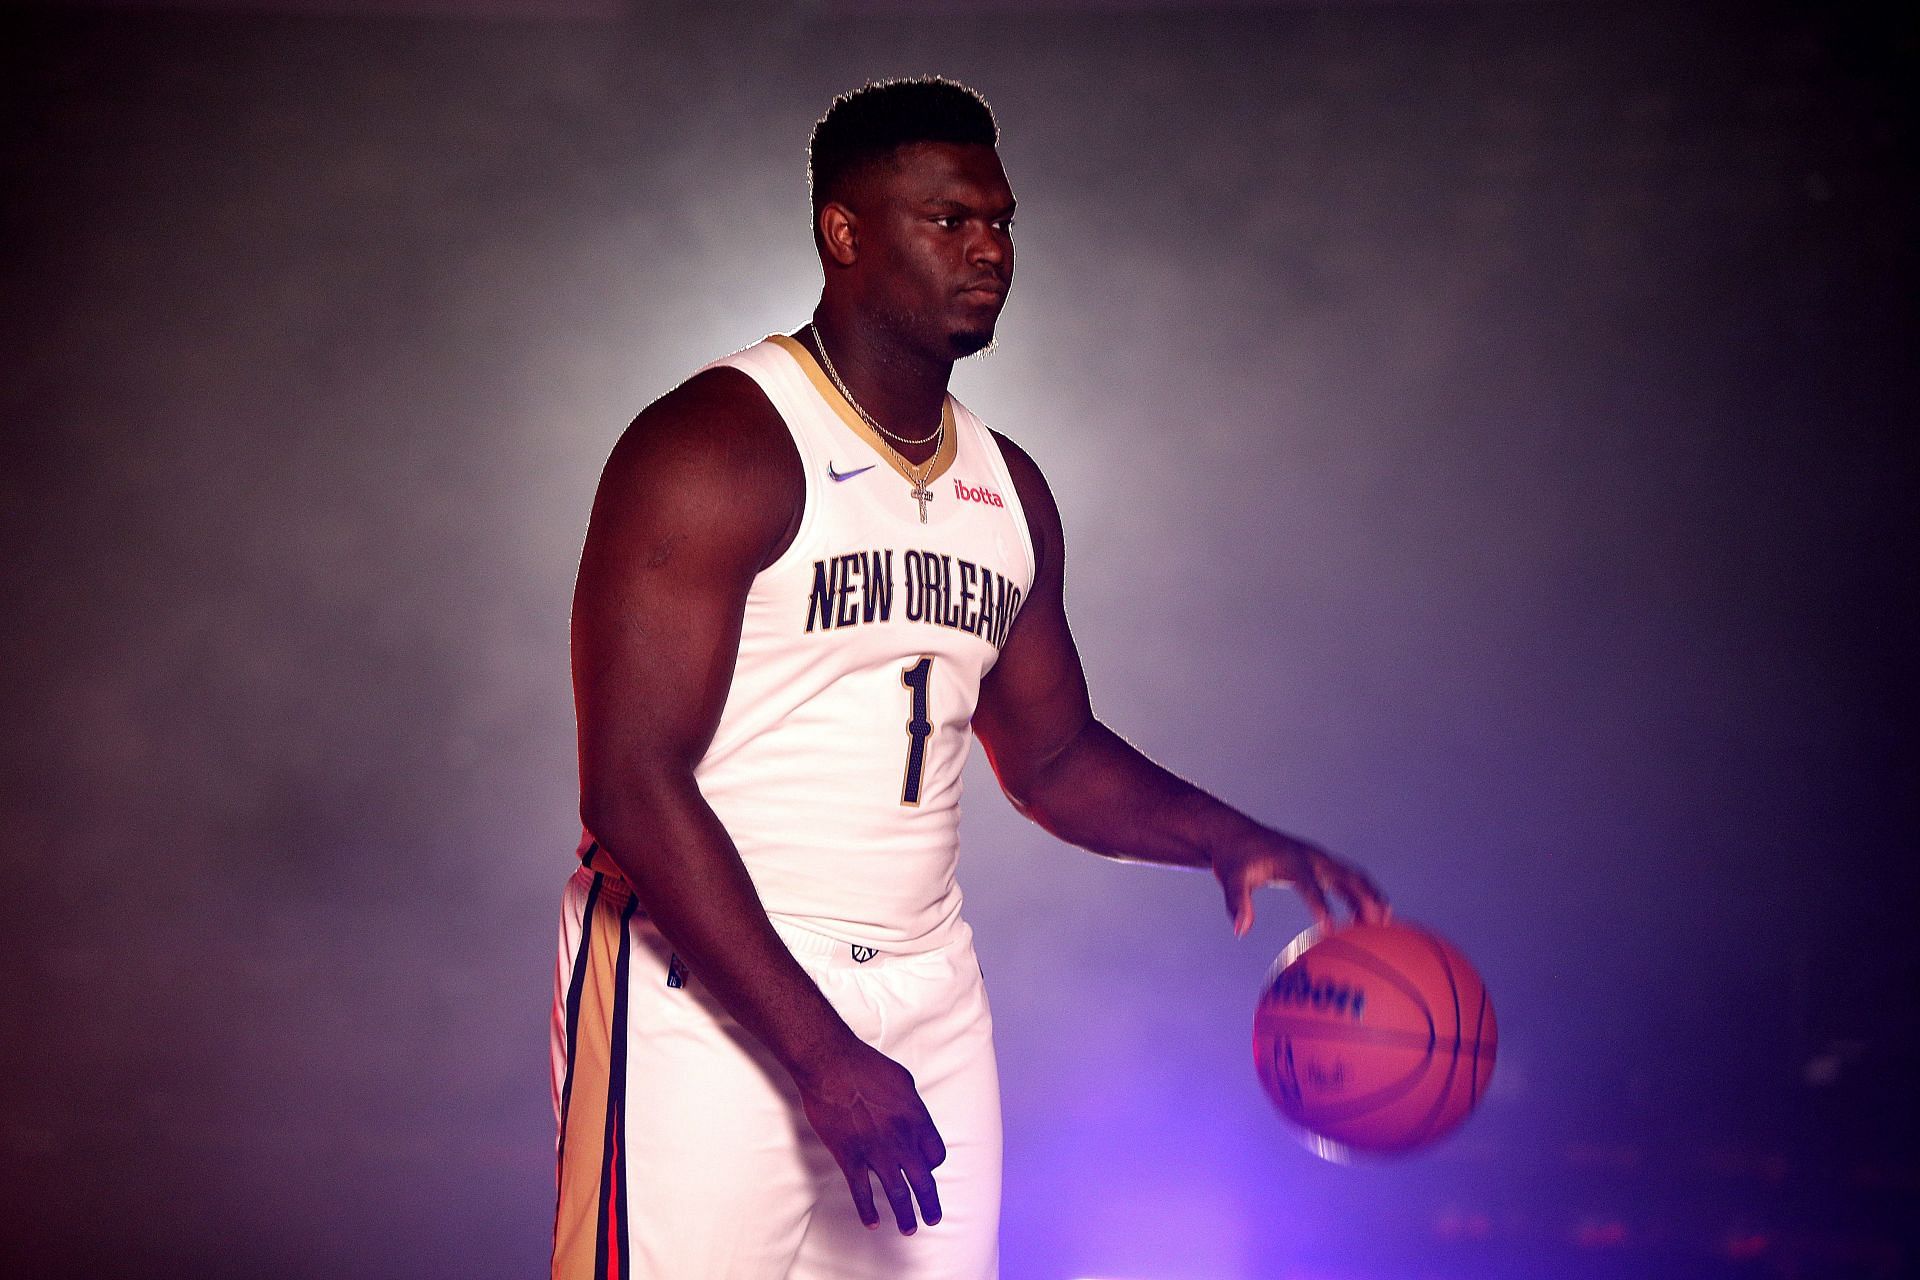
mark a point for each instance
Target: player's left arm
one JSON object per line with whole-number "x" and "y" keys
{"x": 1087, "y": 785}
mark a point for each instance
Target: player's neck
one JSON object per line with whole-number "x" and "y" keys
{"x": 903, "y": 388}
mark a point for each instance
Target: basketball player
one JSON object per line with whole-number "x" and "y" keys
{"x": 810, "y": 577}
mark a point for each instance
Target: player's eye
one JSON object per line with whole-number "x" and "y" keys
{"x": 1006, "y": 225}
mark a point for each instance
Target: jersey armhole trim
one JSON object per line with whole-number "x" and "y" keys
{"x": 1015, "y": 506}
{"x": 751, "y": 362}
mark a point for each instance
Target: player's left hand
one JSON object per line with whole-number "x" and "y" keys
{"x": 1271, "y": 857}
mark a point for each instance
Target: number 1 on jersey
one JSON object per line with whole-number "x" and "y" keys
{"x": 919, "y": 728}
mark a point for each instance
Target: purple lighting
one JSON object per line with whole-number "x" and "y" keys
{"x": 1484, "y": 440}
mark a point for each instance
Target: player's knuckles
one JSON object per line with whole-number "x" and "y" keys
{"x": 908, "y": 1133}
{"x": 858, "y": 1152}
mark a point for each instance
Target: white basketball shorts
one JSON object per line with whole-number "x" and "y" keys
{"x": 683, "y": 1150}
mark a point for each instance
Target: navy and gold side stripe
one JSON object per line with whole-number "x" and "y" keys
{"x": 575, "y": 985}
{"x": 590, "y": 1214}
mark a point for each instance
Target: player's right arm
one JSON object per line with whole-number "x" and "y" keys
{"x": 702, "y": 492}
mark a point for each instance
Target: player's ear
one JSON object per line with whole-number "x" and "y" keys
{"x": 839, "y": 233}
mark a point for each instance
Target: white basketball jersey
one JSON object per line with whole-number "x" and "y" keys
{"x": 836, "y": 766}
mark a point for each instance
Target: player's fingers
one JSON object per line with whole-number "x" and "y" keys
{"x": 926, "y": 1193}
{"x": 1317, "y": 902}
{"x": 932, "y": 1149}
{"x": 1363, "y": 898}
{"x": 862, "y": 1188}
{"x": 899, "y": 1197}
{"x": 1239, "y": 895}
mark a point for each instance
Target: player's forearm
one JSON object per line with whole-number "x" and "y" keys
{"x": 673, "y": 850}
{"x": 1103, "y": 794}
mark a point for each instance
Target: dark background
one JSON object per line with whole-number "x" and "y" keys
{"x": 1485, "y": 440}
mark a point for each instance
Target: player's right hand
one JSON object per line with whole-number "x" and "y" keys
{"x": 866, "y": 1110}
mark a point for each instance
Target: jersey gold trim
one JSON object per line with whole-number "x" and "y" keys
{"x": 949, "y": 444}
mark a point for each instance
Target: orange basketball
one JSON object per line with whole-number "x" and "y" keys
{"x": 1374, "y": 1038}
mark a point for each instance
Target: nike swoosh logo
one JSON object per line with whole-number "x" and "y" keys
{"x": 848, "y": 475}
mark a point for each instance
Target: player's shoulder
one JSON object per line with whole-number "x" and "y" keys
{"x": 1028, "y": 480}
{"x": 1036, "y": 498}
{"x": 717, "y": 410}
{"x": 714, "y": 442}
{"x": 717, "y": 427}
{"x": 1018, "y": 459}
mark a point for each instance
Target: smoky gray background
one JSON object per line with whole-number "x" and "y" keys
{"x": 1484, "y": 441}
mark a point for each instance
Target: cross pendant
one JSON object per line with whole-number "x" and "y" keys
{"x": 922, "y": 495}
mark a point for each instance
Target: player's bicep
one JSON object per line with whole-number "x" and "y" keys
{"x": 664, "y": 575}
{"x": 655, "y": 629}
{"x": 1034, "y": 701}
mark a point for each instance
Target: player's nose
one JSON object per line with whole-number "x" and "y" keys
{"x": 992, "y": 248}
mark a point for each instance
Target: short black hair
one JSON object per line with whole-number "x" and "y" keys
{"x": 874, "y": 120}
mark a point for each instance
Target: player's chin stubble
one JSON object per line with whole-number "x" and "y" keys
{"x": 973, "y": 342}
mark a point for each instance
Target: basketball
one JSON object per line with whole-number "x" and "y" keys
{"x": 1373, "y": 1038}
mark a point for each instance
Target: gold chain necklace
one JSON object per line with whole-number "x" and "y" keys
{"x": 917, "y": 475}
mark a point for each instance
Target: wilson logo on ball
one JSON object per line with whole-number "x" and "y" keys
{"x": 1297, "y": 986}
